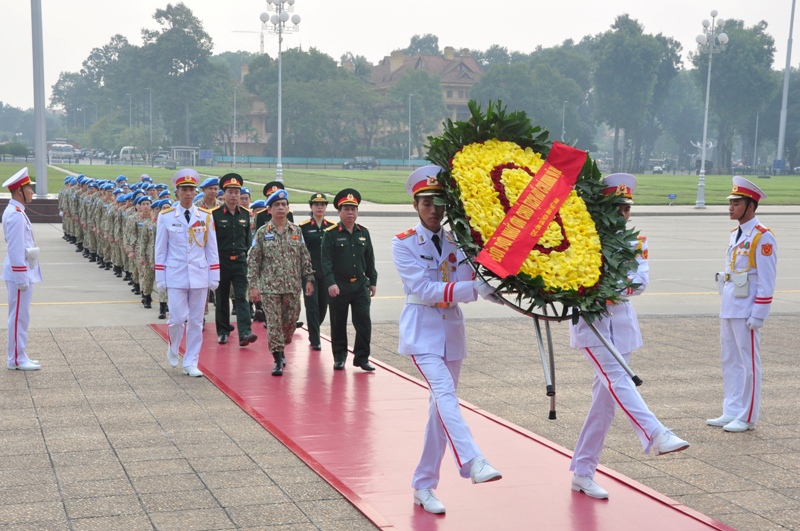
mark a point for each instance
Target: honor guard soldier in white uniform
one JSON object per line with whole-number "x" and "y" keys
{"x": 747, "y": 287}
{"x": 20, "y": 269}
{"x": 612, "y": 386}
{"x": 187, "y": 266}
{"x": 436, "y": 277}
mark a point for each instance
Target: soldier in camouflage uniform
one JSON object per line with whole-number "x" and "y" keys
{"x": 89, "y": 248}
{"x": 101, "y": 226}
{"x": 75, "y": 203}
{"x": 130, "y": 237}
{"x": 146, "y": 242}
{"x": 115, "y": 232}
{"x": 63, "y": 209}
{"x": 277, "y": 266}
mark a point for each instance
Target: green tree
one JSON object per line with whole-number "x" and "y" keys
{"x": 494, "y": 55}
{"x": 742, "y": 83}
{"x": 625, "y": 69}
{"x": 427, "y": 44}
{"x": 427, "y": 105}
{"x": 681, "y": 116}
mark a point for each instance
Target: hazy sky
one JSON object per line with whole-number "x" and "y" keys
{"x": 372, "y": 28}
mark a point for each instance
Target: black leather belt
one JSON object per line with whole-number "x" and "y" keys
{"x": 348, "y": 279}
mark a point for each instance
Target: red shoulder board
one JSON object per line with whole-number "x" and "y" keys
{"x": 761, "y": 229}
{"x": 406, "y": 234}
{"x": 642, "y": 238}
{"x": 18, "y": 209}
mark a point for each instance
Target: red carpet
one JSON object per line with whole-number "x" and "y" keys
{"x": 362, "y": 432}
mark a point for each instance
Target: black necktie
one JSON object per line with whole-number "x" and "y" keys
{"x": 738, "y": 234}
{"x": 435, "y": 240}
{"x": 186, "y": 213}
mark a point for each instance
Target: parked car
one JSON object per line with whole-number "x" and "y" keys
{"x": 658, "y": 169}
{"x": 363, "y": 163}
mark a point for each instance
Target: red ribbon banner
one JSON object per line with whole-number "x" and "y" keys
{"x": 527, "y": 220}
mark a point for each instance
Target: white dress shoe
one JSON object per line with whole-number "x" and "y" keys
{"x": 737, "y": 425}
{"x": 667, "y": 442}
{"x": 481, "y": 471}
{"x": 587, "y": 486}
{"x": 172, "y": 358}
{"x": 428, "y": 500}
{"x": 720, "y": 421}
{"x": 24, "y": 366}
{"x": 193, "y": 371}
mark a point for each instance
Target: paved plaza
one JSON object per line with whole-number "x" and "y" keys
{"x": 108, "y": 436}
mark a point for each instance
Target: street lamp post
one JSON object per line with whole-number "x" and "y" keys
{"x": 785, "y": 96}
{"x": 235, "y": 88}
{"x": 712, "y": 40}
{"x": 150, "y": 97}
{"x": 130, "y": 111}
{"x": 409, "y": 130}
{"x": 279, "y": 27}
{"x": 563, "y": 121}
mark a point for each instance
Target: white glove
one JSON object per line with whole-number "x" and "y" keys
{"x": 161, "y": 286}
{"x": 486, "y": 291}
{"x": 754, "y": 323}
{"x": 23, "y": 287}
{"x": 213, "y": 286}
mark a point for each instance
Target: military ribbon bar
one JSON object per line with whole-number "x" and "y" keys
{"x": 527, "y": 220}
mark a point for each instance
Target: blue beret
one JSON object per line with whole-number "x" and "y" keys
{"x": 245, "y": 191}
{"x": 145, "y": 177}
{"x": 163, "y": 193}
{"x": 156, "y": 204}
{"x": 220, "y": 192}
{"x": 92, "y": 184}
{"x": 161, "y": 186}
{"x": 143, "y": 198}
{"x": 211, "y": 181}
{"x": 150, "y": 186}
{"x": 136, "y": 194}
{"x": 66, "y": 179}
{"x": 120, "y": 178}
{"x": 117, "y": 191}
{"x": 258, "y": 204}
{"x": 277, "y": 196}
{"x": 106, "y": 186}
{"x": 121, "y": 198}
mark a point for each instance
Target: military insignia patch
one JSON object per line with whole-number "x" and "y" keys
{"x": 766, "y": 249}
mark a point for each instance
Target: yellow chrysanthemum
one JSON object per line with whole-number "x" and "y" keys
{"x": 576, "y": 267}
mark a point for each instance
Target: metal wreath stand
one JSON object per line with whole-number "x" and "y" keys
{"x": 542, "y": 314}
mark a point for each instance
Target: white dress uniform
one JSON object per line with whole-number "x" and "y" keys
{"x": 432, "y": 332}
{"x": 754, "y": 252}
{"x": 612, "y": 386}
{"x": 20, "y": 269}
{"x": 187, "y": 262}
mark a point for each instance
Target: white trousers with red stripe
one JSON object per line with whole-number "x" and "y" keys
{"x": 612, "y": 388}
{"x": 446, "y": 427}
{"x": 19, "y": 308}
{"x": 186, "y": 308}
{"x": 741, "y": 369}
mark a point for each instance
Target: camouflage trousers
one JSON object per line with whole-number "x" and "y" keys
{"x": 89, "y": 238}
{"x": 282, "y": 312}
{"x": 116, "y": 255}
{"x": 78, "y": 230}
{"x": 147, "y": 277}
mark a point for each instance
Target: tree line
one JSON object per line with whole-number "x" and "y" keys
{"x": 623, "y": 92}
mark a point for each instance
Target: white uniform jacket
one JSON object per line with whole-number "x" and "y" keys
{"x": 431, "y": 321}
{"x": 18, "y": 266}
{"x": 621, "y": 326}
{"x": 743, "y": 254}
{"x": 186, "y": 252}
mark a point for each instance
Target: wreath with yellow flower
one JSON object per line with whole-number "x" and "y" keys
{"x": 582, "y": 259}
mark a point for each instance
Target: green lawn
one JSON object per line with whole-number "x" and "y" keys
{"x": 388, "y": 186}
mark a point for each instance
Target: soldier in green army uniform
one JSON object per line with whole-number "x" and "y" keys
{"x": 232, "y": 222}
{"x": 317, "y": 303}
{"x": 264, "y": 216}
{"x": 100, "y": 225}
{"x": 348, "y": 267}
{"x": 277, "y": 265}
{"x": 146, "y": 242}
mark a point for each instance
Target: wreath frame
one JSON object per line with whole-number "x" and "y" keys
{"x": 528, "y": 294}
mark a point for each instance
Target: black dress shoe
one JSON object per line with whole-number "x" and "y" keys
{"x": 222, "y": 339}
{"x": 246, "y": 340}
{"x": 316, "y": 347}
{"x": 338, "y": 366}
{"x": 366, "y": 366}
